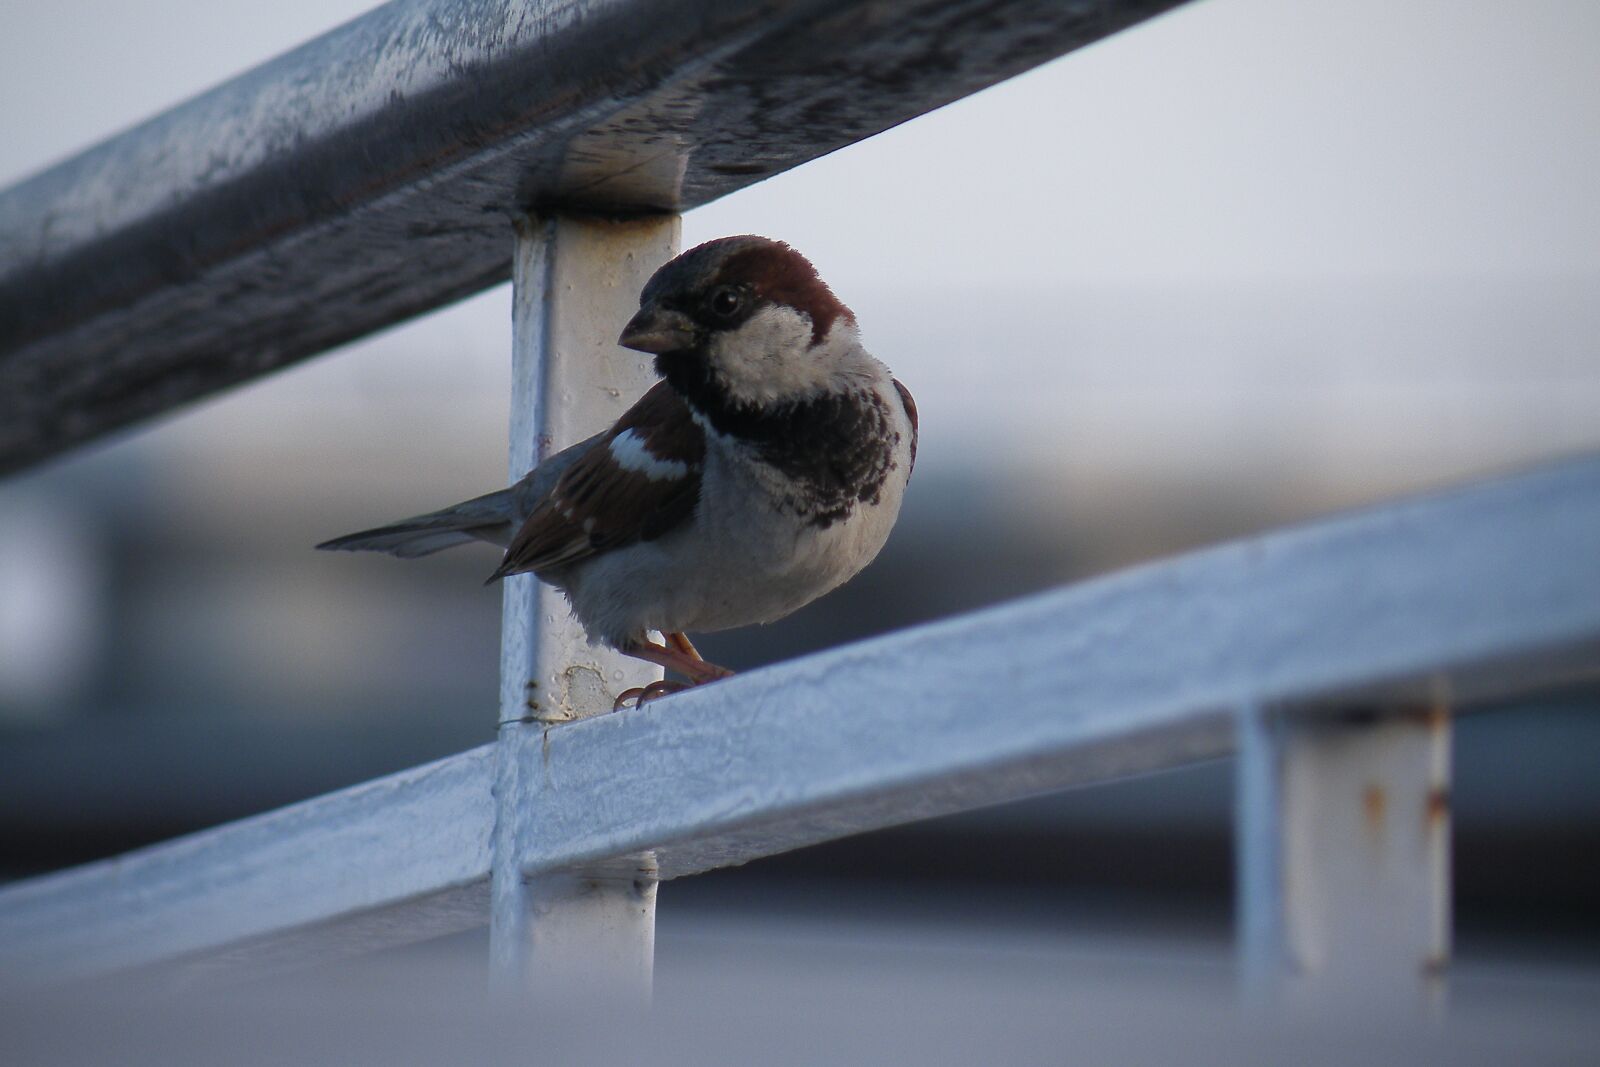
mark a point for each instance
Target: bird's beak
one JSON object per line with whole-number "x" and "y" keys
{"x": 657, "y": 330}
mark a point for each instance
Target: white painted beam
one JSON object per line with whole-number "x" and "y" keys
{"x": 389, "y": 862}
{"x": 1344, "y": 856}
{"x": 1490, "y": 590}
{"x": 576, "y": 283}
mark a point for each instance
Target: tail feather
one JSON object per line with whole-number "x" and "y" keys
{"x": 402, "y": 540}
{"x": 486, "y": 518}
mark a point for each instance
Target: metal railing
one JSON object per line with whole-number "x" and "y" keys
{"x": 372, "y": 173}
{"x": 431, "y": 147}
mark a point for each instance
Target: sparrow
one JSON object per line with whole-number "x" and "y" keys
{"x": 764, "y": 469}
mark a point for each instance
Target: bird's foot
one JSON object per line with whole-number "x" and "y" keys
{"x": 676, "y": 654}
{"x": 679, "y": 641}
{"x": 674, "y": 657}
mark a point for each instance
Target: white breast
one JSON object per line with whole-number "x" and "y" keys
{"x": 743, "y": 558}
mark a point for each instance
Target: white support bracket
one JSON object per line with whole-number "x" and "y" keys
{"x": 1343, "y": 853}
{"x": 575, "y": 282}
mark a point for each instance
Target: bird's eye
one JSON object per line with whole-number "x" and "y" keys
{"x": 726, "y": 301}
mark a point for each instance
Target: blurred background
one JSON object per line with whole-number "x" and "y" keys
{"x": 1241, "y": 266}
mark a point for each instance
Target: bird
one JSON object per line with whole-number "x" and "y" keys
{"x": 765, "y": 468}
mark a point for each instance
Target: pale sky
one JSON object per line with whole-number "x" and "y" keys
{"x": 1231, "y": 139}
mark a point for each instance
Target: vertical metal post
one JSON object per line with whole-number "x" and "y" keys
{"x": 1342, "y": 837}
{"x": 575, "y": 283}
{"x": 1258, "y": 855}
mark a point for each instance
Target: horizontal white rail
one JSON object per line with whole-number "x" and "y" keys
{"x": 391, "y": 861}
{"x": 1487, "y": 590}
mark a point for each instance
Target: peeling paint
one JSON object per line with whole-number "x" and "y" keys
{"x": 1374, "y": 804}
{"x": 583, "y": 689}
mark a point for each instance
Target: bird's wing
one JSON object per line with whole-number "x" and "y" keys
{"x": 633, "y": 483}
{"x": 911, "y": 413}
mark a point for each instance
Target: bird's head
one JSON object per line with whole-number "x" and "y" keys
{"x": 748, "y": 319}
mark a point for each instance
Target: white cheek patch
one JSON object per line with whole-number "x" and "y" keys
{"x": 631, "y": 453}
{"x": 768, "y": 357}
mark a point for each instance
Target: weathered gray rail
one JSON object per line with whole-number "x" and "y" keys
{"x": 370, "y": 174}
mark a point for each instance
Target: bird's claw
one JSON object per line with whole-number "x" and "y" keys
{"x": 641, "y": 694}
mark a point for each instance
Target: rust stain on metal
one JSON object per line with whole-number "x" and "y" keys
{"x": 1374, "y": 803}
{"x": 1438, "y": 718}
{"x": 1437, "y": 808}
